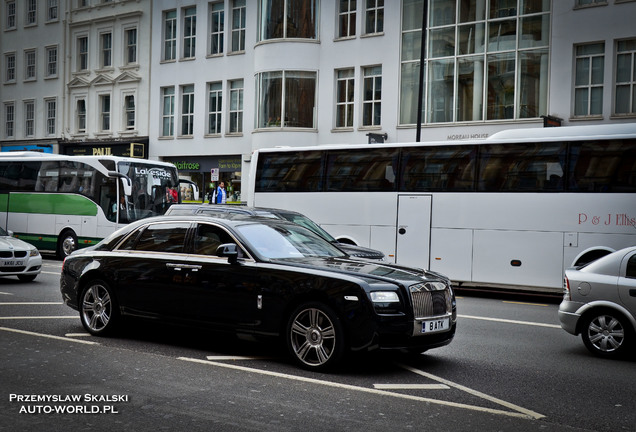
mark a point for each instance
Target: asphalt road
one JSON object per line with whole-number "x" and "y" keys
{"x": 510, "y": 368}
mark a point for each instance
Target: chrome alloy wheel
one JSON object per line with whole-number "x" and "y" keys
{"x": 605, "y": 333}
{"x": 313, "y": 337}
{"x": 97, "y": 308}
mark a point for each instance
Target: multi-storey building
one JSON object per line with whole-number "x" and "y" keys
{"x": 204, "y": 83}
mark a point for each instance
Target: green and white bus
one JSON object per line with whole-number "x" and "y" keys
{"x": 60, "y": 203}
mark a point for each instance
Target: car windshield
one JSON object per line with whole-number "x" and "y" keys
{"x": 307, "y": 223}
{"x": 286, "y": 241}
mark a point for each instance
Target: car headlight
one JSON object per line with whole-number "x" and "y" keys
{"x": 34, "y": 253}
{"x": 386, "y": 302}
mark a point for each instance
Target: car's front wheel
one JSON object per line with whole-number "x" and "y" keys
{"x": 315, "y": 337}
{"x": 606, "y": 333}
{"x": 98, "y": 308}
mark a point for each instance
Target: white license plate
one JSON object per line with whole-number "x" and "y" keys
{"x": 12, "y": 263}
{"x": 436, "y": 325}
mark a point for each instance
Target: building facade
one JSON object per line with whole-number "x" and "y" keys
{"x": 203, "y": 83}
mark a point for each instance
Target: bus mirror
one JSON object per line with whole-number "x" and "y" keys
{"x": 125, "y": 181}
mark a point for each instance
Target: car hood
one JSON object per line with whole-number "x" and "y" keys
{"x": 13, "y": 243}
{"x": 366, "y": 269}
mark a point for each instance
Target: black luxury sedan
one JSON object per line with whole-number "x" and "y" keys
{"x": 261, "y": 277}
{"x": 290, "y": 215}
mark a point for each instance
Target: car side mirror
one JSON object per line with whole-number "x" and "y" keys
{"x": 229, "y": 250}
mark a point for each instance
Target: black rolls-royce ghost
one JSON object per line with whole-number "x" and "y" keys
{"x": 258, "y": 276}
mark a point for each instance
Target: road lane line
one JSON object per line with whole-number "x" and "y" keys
{"x": 39, "y": 317}
{"x": 48, "y": 336}
{"x": 525, "y": 303}
{"x": 222, "y": 358}
{"x": 411, "y": 386}
{"x": 29, "y": 303}
{"x": 479, "y": 394}
{"x": 363, "y": 389}
{"x": 511, "y": 321}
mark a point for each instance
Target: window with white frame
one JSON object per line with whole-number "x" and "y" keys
{"x": 80, "y": 116}
{"x": 374, "y": 16}
{"x": 167, "y": 111}
{"x": 236, "y": 106}
{"x": 189, "y": 32}
{"x": 625, "y": 77}
{"x": 187, "y": 110}
{"x": 130, "y": 37}
{"x": 9, "y": 71}
{"x": 215, "y": 108}
{"x": 10, "y": 22}
{"x": 51, "y": 10}
{"x": 29, "y": 65}
{"x": 238, "y": 25}
{"x": 29, "y": 118}
{"x": 344, "y": 98}
{"x": 51, "y": 116}
{"x": 372, "y": 96}
{"x": 588, "y": 79}
{"x": 286, "y": 99}
{"x": 170, "y": 35}
{"x": 217, "y": 27}
{"x": 104, "y": 113}
{"x": 483, "y": 61}
{"x": 129, "y": 112}
{"x": 288, "y": 19}
{"x": 82, "y": 53}
{"x": 51, "y": 62}
{"x": 9, "y": 120}
{"x": 106, "y": 49}
{"x": 31, "y": 12}
{"x": 347, "y": 18}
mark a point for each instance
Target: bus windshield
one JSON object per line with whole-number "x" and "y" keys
{"x": 154, "y": 189}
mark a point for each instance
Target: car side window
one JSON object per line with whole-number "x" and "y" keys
{"x": 631, "y": 268}
{"x": 209, "y": 237}
{"x": 163, "y": 237}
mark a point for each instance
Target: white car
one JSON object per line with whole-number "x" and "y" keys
{"x": 600, "y": 303}
{"x": 18, "y": 258}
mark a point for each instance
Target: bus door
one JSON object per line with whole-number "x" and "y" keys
{"x": 413, "y": 232}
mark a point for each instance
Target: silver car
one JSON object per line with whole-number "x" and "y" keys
{"x": 18, "y": 258}
{"x": 599, "y": 303}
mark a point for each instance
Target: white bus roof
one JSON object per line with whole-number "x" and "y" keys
{"x": 55, "y": 156}
{"x": 615, "y": 131}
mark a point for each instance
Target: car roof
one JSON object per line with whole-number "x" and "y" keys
{"x": 193, "y": 208}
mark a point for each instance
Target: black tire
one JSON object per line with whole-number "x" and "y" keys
{"x": 98, "y": 308}
{"x": 606, "y": 333}
{"x": 315, "y": 338}
{"x": 26, "y": 278}
{"x": 66, "y": 243}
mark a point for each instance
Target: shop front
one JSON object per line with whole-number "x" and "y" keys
{"x": 207, "y": 172}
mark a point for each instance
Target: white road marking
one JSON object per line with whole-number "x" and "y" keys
{"x": 47, "y": 336}
{"x": 521, "y": 413}
{"x": 511, "y": 321}
{"x": 509, "y": 405}
{"x": 77, "y": 334}
{"x": 411, "y": 386}
{"x": 39, "y": 317}
{"x": 222, "y": 358}
{"x": 6, "y": 293}
{"x": 29, "y": 303}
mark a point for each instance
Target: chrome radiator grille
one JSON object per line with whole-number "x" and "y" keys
{"x": 431, "y": 303}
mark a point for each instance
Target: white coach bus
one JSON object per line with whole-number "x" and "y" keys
{"x": 513, "y": 210}
{"x": 61, "y": 203}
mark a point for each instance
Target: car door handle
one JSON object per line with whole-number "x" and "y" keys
{"x": 179, "y": 267}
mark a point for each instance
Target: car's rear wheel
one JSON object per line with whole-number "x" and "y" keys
{"x": 98, "y": 308}
{"x": 315, "y": 337}
{"x": 606, "y": 333}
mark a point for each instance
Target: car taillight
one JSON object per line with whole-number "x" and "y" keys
{"x": 566, "y": 289}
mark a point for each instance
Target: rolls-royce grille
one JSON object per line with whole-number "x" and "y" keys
{"x": 431, "y": 303}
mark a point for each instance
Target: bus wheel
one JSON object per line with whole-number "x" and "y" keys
{"x": 66, "y": 244}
